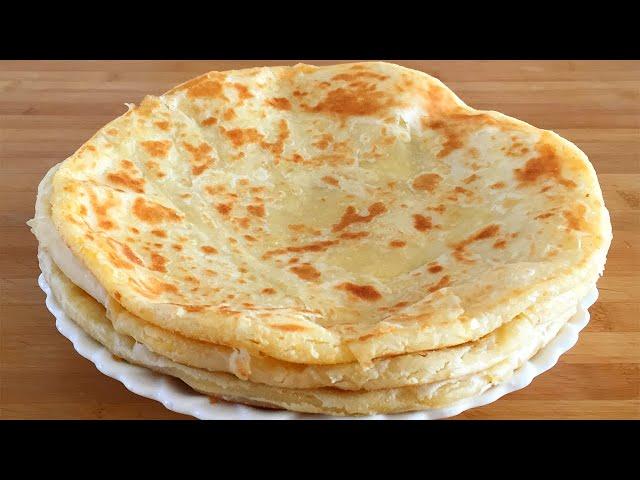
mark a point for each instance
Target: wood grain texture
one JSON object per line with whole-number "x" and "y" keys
{"x": 49, "y": 108}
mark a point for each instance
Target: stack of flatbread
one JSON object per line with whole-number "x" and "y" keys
{"x": 349, "y": 240}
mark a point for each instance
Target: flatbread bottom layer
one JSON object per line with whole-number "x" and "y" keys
{"x": 515, "y": 338}
{"x": 91, "y": 317}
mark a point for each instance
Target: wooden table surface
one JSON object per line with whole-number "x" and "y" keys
{"x": 49, "y": 108}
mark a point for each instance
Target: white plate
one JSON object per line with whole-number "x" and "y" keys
{"x": 177, "y": 396}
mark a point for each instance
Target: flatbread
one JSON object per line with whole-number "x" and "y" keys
{"x": 90, "y": 316}
{"x": 514, "y": 339}
{"x": 328, "y": 215}
{"x": 526, "y": 330}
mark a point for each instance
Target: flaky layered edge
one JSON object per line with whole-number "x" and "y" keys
{"x": 90, "y": 316}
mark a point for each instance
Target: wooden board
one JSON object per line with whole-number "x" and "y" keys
{"x": 49, "y": 108}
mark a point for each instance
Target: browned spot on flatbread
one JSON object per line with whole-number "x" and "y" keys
{"x": 147, "y": 106}
{"x": 438, "y": 209}
{"x": 201, "y": 158}
{"x": 353, "y": 235}
{"x": 256, "y": 210}
{"x": 206, "y": 88}
{"x": 280, "y": 103}
{"x": 215, "y": 189}
{"x": 397, "y": 243}
{"x": 422, "y": 223}
{"x": 310, "y": 247}
{"x": 427, "y": 181}
{"x": 277, "y": 147}
{"x": 460, "y": 247}
{"x": 72, "y": 219}
{"x": 452, "y": 137}
{"x": 369, "y": 336}
{"x": 443, "y": 282}
{"x": 242, "y": 136}
{"x": 208, "y": 249}
{"x": 162, "y": 125}
{"x": 470, "y": 179}
{"x": 362, "y": 292}
{"x": 159, "y": 233}
{"x": 575, "y": 218}
{"x": 152, "y": 287}
{"x": 546, "y": 165}
{"x": 194, "y": 308}
{"x": 243, "y": 92}
{"x": 498, "y": 185}
{"x": 88, "y": 147}
{"x": 156, "y": 148}
{"x": 301, "y": 228}
{"x": 330, "y": 180}
{"x": 359, "y": 75}
{"x": 243, "y": 222}
{"x": 295, "y": 158}
{"x": 454, "y": 196}
{"x": 332, "y": 159}
{"x": 229, "y": 114}
{"x": 350, "y": 216}
{"x": 323, "y": 141}
{"x": 487, "y": 232}
{"x": 268, "y": 291}
{"x": 123, "y": 179}
{"x": 117, "y": 262}
{"x": 223, "y": 208}
{"x": 355, "y": 100}
{"x": 152, "y": 212}
{"x": 209, "y": 121}
{"x": 158, "y": 262}
{"x": 453, "y": 122}
{"x": 151, "y": 165}
{"x": 500, "y": 244}
{"x": 306, "y": 272}
{"x": 101, "y": 210}
{"x": 288, "y": 327}
{"x": 130, "y": 255}
{"x": 516, "y": 149}
{"x": 435, "y": 268}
